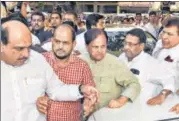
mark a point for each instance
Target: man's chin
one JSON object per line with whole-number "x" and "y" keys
{"x": 166, "y": 46}
{"x": 61, "y": 56}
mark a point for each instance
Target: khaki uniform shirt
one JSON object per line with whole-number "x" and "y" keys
{"x": 113, "y": 79}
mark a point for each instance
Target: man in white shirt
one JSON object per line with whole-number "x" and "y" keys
{"x": 150, "y": 27}
{"x": 151, "y": 73}
{"x": 138, "y": 20}
{"x": 168, "y": 47}
{"x": 26, "y": 75}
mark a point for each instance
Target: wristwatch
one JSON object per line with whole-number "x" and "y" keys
{"x": 80, "y": 91}
{"x": 164, "y": 92}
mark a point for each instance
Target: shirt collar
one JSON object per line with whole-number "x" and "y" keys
{"x": 71, "y": 60}
{"x": 137, "y": 58}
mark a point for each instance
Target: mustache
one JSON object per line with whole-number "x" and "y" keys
{"x": 60, "y": 50}
{"x": 37, "y": 25}
{"x": 23, "y": 58}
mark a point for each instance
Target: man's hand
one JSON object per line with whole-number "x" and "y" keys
{"x": 175, "y": 109}
{"x": 42, "y": 104}
{"x": 88, "y": 106}
{"x": 90, "y": 92}
{"x": 118, "y": 103}
{"x": 158, "y": 100}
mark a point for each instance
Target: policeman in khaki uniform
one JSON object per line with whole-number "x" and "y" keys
{"x": 167, "y": 49}
{"x": 110, "y": 75}
{"x": 152, "y": 74}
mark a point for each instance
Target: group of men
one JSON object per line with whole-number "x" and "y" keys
{"x": 67, "y": 83}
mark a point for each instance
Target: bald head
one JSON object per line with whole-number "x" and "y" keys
{"x": 16, "y": 30}
{"x": 15, "y": 51}
{"x": 63, "y": 42}
{"x": 65, "y": 29}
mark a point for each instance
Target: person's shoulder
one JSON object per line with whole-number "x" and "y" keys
{"x": 122, "y": 56}
{"x": 85, "y": 57}
{"x": 38, "y": 60}
{"x": 80, "y": 61}
{"x": 147, "y": 57}
{"x": 36, "y": 57}
{"x": 47, "y": 54}
{"x": 115, "y": 62}
{"x": 113, "y": 59}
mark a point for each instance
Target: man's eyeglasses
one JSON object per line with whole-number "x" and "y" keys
{"x": 130, "y": 44}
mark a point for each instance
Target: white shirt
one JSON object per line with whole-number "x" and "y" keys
{"x": 21, "y": 86}
{"x": 150, "y": 28}
{"x": 47, "y": 46}
{"x": 35, "y": 39}
{"x": 153, "y": 76}
{"x": 138, "y": 25}
{"x": 161, "y": 53}
{"x": 80, "y": 43}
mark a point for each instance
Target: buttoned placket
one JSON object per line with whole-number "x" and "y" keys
{"x": 16, "y": 96}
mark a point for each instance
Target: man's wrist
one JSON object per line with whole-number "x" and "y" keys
{"x": 123, "y": 98}
{"x": 165, "y": 93}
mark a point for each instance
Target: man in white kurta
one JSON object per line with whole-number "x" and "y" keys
{"x": 167, "y": 49}
{"x": 156, "y": 81}
{"x": 25, "y": 76}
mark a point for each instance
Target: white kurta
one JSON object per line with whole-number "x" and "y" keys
{"x": 150, "y": 28}
{"x": 35, "y": 40}
{"x": 152, "y": 75}
{"x": 80, "y": 43}
{"x": 21, "y": 86}
{"x": 161, "y": 53}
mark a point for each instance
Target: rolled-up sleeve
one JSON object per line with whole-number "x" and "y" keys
{"x": 127, "y": 80}
{"x": 162, "y": 73}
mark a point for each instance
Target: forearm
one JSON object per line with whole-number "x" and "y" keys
{"x": 132, "y": 91}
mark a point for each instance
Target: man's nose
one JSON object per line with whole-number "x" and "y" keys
{"x": 26, "y": 53}
{"x": 60, "y": 45}
{"x": 126, "y": 46}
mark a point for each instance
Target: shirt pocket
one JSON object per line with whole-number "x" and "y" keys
{"x": 35, "y": 87}
{"x": 105, "y": 84}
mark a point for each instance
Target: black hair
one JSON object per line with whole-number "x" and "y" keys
{"x": 131, "y": 18}
{"x": 38, "y": 14}
{"x": 127, "y": 19}
{"x": 138, "y": 14}
{"x": 92, "y": 34}
{"x": 72, "y": 13}
{"x": 173, "y": 22}
{"x": 138, "y": 33}
{"x": 71, "y": 23}
{"x": 4, "y": 36}
{"x": 15, "y": 16}
{"x": 92, "y": 20}
{"x": 152, "y": 13}
{"x": 56, "y": 12}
